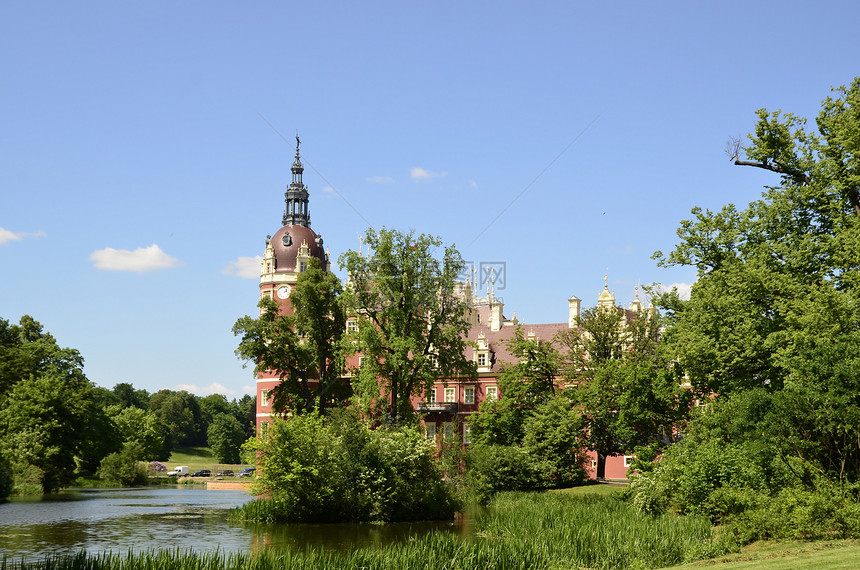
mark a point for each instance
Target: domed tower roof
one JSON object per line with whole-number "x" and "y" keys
{"x": 290, "y": 242}
{"x": 295, "y": 243}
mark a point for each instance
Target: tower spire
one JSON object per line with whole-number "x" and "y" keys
{"x": 296, "y": 212}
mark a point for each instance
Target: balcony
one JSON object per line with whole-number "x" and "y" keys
{"x": 437, "y": 407}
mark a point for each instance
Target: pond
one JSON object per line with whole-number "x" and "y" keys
{"x": 139, "y": 519}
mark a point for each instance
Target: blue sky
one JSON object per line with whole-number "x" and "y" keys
{"x": 145, "y": 149}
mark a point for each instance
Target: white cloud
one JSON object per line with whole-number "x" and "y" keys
{"x": 329, "y": 190}
{"x": 473, "y": 184}
{"x": 140, "y": 260}
{"x": 245, "y": 267}
{"x": 421, "y": 174}
{"x": 213, "y": 388}
{"x": 683, "y": 289}
{"x": 380, "y": 179}
{"x": 7, "y": 235}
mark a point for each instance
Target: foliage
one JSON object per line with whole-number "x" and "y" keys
{"x": 50, "y": 414}
{"x": 225, "y": 436}
{"x": 491, "y": 469}
{"x": 339, "y": 470}
{"x": 180, "y": 412}
{"x": 554, "y": 441}
{"x": 127, "y": 396}
{"x": 411, "y": 325}
{"x": 139, "y": 428}
{"x": 303, "y": 348}
{"x": 6, "y": 478}
{"x": 770, "y": 334}
{"x": 524, "y": 385}
{"x": 124, "y": 467}
{"x": 626, "y": 392}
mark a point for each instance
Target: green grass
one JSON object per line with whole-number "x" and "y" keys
{"x": 197, "y": 458}
{"x": 835, "y": 554}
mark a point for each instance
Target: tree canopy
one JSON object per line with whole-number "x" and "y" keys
{"x": 305, "y": 348}
{"x": 410, "y": 324}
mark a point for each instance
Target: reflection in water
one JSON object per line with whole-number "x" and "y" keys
{"x": 120, "y": 520}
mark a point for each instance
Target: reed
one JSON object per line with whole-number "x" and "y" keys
{"x": 519, "y": 530}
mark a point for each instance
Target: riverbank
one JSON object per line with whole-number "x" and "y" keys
{"x": 587, "y": 527}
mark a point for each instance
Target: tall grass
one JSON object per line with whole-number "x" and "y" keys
{"x": 519, "y": 530}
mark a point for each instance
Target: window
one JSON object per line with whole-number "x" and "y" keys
{"x": 450, "y": 395}
{"x": 430, "y": 431}
{"x": 469, "y": 395}
{"x": 264, "y": 397}
{"x": 302, "y": 266}
{"x": 628, "y": 460}
{"x": 482, "y": 359}
{"x": 594, "y": 464}
{"x": 449, "y": 432}
{"x": 264, "y": 430}
{"x": 492, "y": 393}
{"x": 467, "y": 433}
{"x": 351, "y": 326}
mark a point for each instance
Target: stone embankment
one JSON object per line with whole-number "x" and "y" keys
{"x": 228, "y": 485}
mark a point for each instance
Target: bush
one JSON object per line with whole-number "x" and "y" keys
{"x": 494, "y": 468}
{"x": 123, "y": 467}
{"x": 339, "y": 471}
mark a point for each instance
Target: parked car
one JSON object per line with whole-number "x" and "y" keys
{"x": 201, "y": 473}
{"x": 224, "y": 473}
{"x": 180, "y": 471}
{"x": 246, "y": 472}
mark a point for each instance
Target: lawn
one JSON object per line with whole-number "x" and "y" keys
{"x": 200, "y": 458}
{"x": 831, "y": 554}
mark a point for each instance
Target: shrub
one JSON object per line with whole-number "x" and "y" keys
{"x": 318, "y": 471}
{"x": 123, "y": 467}
{"x": 494, "y": 468}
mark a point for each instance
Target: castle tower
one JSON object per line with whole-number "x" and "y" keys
{"x": 287, "y": 253}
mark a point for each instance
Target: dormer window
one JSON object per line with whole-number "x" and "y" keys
{"x": 482, "y": 359}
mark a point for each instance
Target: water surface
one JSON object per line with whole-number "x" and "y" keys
{"x": 120, "y": 520}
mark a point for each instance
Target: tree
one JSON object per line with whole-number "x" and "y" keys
{"x": 411, "y": 325}
{"x": 50, "y": 414}
{"x": 525, "y": 384}
{"x": 46, "y": 422}
{"x": 626, "y": 393}
{"x": 304, "y": 349}
{"x": 128, "y": 396}
{"x": 140, "y": 429}
{"x": 771, "y": 330}
{"x": 226, "y": 436}
{"x": 180, "y": 412}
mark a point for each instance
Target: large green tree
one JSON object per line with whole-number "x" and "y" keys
{"x": 305, "y": 348}
{"x": 50, "y": 414}
{"x": 773, "y": 322}
{"x": 141, "y": 430}
{"x": 627, "y": 394}
{"x": 225, "y": 436}
{"x": 180, "y": 412}
{"x": 410, "y": 324}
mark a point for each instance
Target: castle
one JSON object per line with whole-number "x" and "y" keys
{"x": 287, "y": 253}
